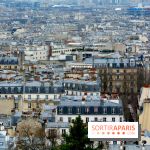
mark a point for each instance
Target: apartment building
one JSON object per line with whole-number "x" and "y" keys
{"x": 10, "y": 63}
{"x": 81, "y": 87}
{"x": 36, "y": 53}
{"x": 27, "y": 97}
{"x": 91, "y": 108}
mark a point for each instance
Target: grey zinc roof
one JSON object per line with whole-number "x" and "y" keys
{"x": 6, "y": 84}
{"x": 7, "y": 60}
{"x": 90, "y": 101}
{"x": 80, "y": 81}
{"x": 105, "y": 60}
{"x": 33, "y": 83}
{"x": 58, "y": 125}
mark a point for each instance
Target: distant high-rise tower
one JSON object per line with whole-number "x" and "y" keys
{"x": 46, "y": 3}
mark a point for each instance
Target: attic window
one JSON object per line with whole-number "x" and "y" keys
{"x": 113, "y": 110}
{"x": 104, "y": 110}
{"x": 60, "y": 110}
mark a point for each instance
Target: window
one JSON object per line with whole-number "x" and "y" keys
{"x": 67, "y": 93}
{"x": 87, "y": 110}
{"x": 55, "y": 90}
{"x": 104, "y": 110}
{"x": 69, "y": 119}
{"x": 87, "y": 119}
{"x": 46, "y": 96}
{"x": 115, "y": 142}
{"x": 38, "y": 96}
{"x": 132, "y": 83}
{"x": 117, "y": 77}
{"x": 120, "y": 119}
{"x": 1, "y": 143}
{"x": 120, "y": 111}
{"x": 47, "y": 90}
{"x": 16, "y": 105}
{"x": 113, "y": 110}
{"x": 132, "y": 90}
{"x": 104, "y": 119}
{"x": 113, "y": 119}
{"x": 29, "y": 96}
{"x": 61, "y": 119}
{"x": 78, "y": 110}
{"x": 29, "y": 105}
{"x": 95, "y": 109}
{"x": 63, "y": 131}
{"x": 60, "y": 110}
{"x": 110, "y": 83}
{"x": 95, "y": 119}
{"x": 69, "y": 110}
{"x": 55, "y": 96}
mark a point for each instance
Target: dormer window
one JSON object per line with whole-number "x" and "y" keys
{"x": 78, "y": 110}
{"x": 60, "y": 110}
{"x": 47, "y": 90}
{"x": 73, "y": 85}
{"x": 113, "y": 110}
{"x": 38, "y": 96}
{"x": 95, "y": 109}
{"x": 87, "y": 110}
{"x": 104, "y": 110}
{"x": 120, "y": 111}
{"x": 70, "y": 110}
{"x": 55, "y": 90}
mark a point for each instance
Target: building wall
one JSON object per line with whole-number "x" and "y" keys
{"x": 36, "y": 101}
{"x": 36, "y": 53}
{"x": 144, "y": 117}
{"x": 24, "y": 103}
{"x": 145, "y": 93}
{"x": 35, "y": 105}
{"x": 12, "y": 67}
{"x": 7, "y": 105}
{"x": 119, "y": 79}
{"x": 60, "y": 130}
{"x": 41, "y": 96}
{"x": 81, "y": 93}
{"x": 3, "y": 141}
{"x": 90, "y": 117}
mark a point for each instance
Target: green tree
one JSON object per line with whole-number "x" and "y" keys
{"x": 77, "y": 138}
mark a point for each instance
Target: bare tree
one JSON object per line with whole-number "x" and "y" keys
{"x": 30, "y": 135}
{"x": 53, "y": 136}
